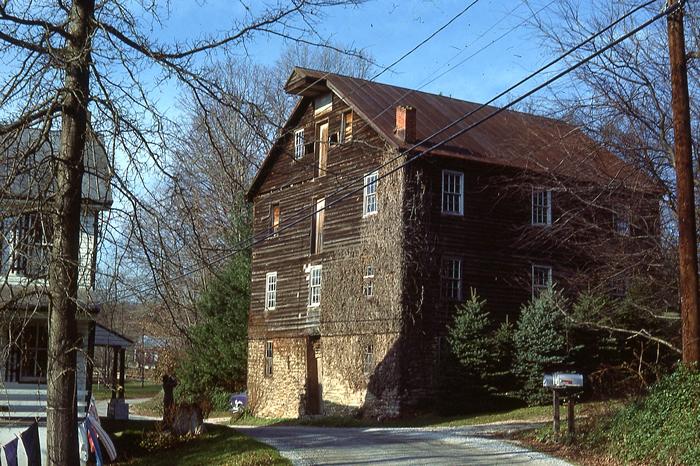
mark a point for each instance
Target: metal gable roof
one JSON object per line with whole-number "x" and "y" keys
{"x": 511, "y": 138}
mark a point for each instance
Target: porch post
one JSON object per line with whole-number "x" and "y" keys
{"x": 90, "y": 361}
{"x": 122, "y": 360}
{"x": 115, "y": 354}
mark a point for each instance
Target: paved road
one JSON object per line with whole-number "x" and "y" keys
{"x": 392, "y": 446}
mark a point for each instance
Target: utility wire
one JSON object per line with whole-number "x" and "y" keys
{"x": 254, "y": 241}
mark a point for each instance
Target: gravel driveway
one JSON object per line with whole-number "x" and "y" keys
{"x": 434, "y": 446}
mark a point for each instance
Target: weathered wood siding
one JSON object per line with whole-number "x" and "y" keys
{"x": 351, "y": 242}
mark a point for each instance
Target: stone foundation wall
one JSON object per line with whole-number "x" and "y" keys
{"x": 348, "y": 388}
{"x": 283, "y": 393}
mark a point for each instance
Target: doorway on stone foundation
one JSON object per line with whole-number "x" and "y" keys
{"x": 313, "y": 389}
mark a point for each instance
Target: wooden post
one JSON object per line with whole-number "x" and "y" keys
{"x": 571, "y": 428}
{"x": 115, "y": 354}
{"x": 90, "y": 361}
{"x": 122, "y": 363}
{"x": 685, "y": 197}
{"x": 556, "y": 413}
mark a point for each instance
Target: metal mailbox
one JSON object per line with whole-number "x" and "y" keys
{"x": 567, "y": 380}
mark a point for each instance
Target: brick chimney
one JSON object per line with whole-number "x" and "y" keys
{"x": 406, "y": 123}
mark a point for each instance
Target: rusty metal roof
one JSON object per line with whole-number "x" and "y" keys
{"x": 511, "y": 138}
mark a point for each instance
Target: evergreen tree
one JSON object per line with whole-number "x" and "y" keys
{"x": 540, "y": 343}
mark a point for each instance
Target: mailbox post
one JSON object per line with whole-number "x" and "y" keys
{"x": 563, "y": 385}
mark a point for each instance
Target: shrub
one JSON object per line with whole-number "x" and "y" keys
{"x": 663, "y": 427}
{"x": 540, "y": 344}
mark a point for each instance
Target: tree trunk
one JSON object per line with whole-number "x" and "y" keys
{"x": 685, "y": 192}
{"x": 61, "y": 412}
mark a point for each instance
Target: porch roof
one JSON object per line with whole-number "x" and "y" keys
{"x": 107, "y": 337}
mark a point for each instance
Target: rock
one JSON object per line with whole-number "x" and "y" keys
{"x": 188, "y": 420}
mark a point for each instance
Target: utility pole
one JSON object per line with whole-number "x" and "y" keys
{"x": 685, "y": 196}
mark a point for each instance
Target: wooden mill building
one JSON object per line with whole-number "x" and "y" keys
{"x": 370, "y": 233}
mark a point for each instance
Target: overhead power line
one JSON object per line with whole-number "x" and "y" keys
{"x": 252, "y": 241}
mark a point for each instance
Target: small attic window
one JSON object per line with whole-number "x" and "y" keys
{"x": 322, "y": 104}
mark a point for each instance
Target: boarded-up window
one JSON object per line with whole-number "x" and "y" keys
{"x": 274, "y": 219}
{"x": 317, "y": 226}
{"x": 322, "y": 132}
{"x": 268, "y": 359}
{"x": 346, "y": 127}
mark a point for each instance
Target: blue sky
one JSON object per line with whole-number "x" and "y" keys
{"x": 389, "y": 28}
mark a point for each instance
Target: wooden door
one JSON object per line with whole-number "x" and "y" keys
{"x": 313, "y": 389}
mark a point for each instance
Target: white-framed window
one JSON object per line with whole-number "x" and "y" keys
{"x": 268, "y": 358}
{"x": 298, "y": 144}
{"x": 25, "y": 245}
{"x": 270, "y": 291}
{"x": 541, "y": 207}
{"x": 452, "y": 278}
{"x": 368, "y": 282}
{"x": 368, "y": 360}
{"x": 369, "y": 199}
{"x": 452, "y": 192}
{"x": 315, "y": 286}
{"x": 346, "y": 126}
{"x": 541, "y": 278}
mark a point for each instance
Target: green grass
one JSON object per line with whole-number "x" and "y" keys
{"x": 139, "y": 443}
{"x": 132, "y": 389}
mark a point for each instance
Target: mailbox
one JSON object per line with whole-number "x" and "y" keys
{"x": 548, "y": 381}
{"x": 567, "y": 380}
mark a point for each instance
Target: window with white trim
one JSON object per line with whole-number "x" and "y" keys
{"x": 25, "y": 245}
{"x": 452, "y": 192}
{"x": 298, "y": 144}
{"x": 315, "y": 286}
{"x": 452, "y": 278}
{"x": 368, "y": 282}
{"x": 541, "y": 207}
{"x": 270, "y": 291}
{"x": 268, "y": 358}
{"x": 369, "y": 199}
{"x": 541, "y": 278}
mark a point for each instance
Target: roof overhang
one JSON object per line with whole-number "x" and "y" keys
{"x": 307, "y": 83}
{"x": 108, "y": 337}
